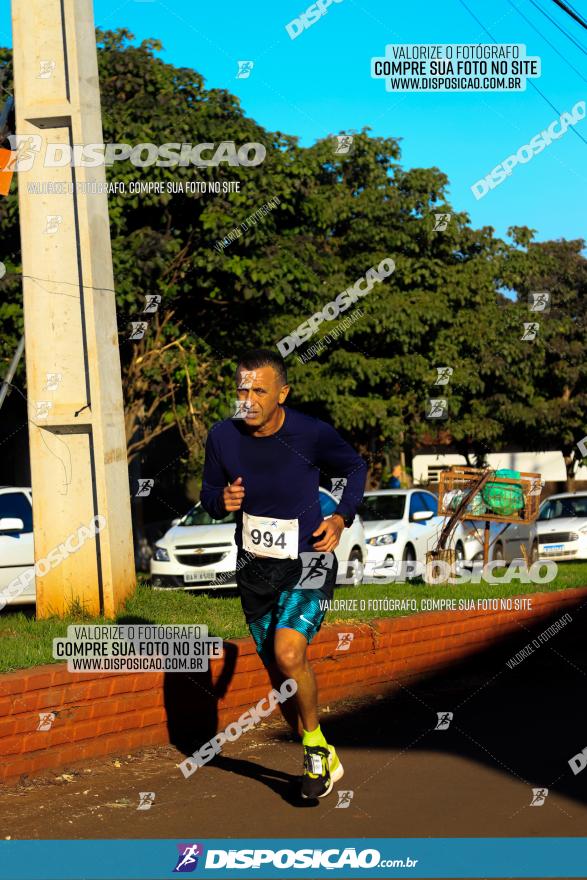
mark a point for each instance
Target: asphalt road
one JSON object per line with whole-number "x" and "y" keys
{"x": 512, "y": 730}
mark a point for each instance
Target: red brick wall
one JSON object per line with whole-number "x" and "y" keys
{"x": 101, "y": 713}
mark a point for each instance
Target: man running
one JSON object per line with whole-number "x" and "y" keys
{"x": 264, "y": 464}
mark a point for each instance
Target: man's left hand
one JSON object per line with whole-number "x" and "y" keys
{"x": 330, "y": 529}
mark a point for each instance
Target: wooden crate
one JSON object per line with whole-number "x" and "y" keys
{"x": 458, "y": 484}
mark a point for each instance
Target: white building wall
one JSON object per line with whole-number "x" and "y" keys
{"x": 550, "y": 465}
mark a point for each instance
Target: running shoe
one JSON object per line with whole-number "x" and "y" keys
{"x": 322, "y": 768}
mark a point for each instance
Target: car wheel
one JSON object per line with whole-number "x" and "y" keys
{"x": 408, "y": 557}
{"x": 355, "y": 567}
{"x": 409, "y": 554}
{"x": 534, "y": 553}
{"x": 498, "y": 553}
{"x": 460, "y": 551}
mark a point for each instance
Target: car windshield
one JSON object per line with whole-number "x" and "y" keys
{"x": 376, "y": 507}
{"x": 559, "y": 508}
{"x": 197, "y": 516}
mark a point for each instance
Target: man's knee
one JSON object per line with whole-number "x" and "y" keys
{"x": 289, "y": 657}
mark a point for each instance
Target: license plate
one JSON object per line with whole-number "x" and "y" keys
{"x": 194, "y": 577}
{"x": 552, "y": 547}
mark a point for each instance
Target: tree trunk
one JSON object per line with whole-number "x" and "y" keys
{"x": 570, "y": 461}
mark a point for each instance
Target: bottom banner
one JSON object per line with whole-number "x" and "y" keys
{"x": 367, "y": 858}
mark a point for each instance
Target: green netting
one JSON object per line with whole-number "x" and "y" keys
{"x": 501, "y": 498}
{"x": 476, "y": 505}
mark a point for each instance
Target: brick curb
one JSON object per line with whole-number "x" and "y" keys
{"x": 102, "y": 713}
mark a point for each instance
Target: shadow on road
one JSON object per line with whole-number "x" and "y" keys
{"x": 286, "y": 785}
{"x": 527, "y": 721}
{"x": 191, "y": 703}
{"x": 524, "y": 721}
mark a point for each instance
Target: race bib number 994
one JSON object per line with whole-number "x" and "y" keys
{"x": 274, "y": 538}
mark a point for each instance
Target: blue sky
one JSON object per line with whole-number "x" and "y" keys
{"x": 320, "y": 84}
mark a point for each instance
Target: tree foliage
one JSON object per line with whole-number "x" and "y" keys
{"x": 338, "y": 215}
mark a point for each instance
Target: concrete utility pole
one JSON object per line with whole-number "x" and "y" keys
{"x": 75, "y": 407}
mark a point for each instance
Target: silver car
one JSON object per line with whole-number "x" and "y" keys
{"x": 505, "y": 541}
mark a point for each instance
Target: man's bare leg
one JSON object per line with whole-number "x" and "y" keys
{"x": 322, "y": 767}
{"x": 289, "y": 708}
{"x": 291, "y": 658}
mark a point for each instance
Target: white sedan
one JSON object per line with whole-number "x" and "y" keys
{"x": 562, "y": 526}
{"x": 199, "y": 552}
{"x": 17, "y": 552}
{"x": 401, "y": 525}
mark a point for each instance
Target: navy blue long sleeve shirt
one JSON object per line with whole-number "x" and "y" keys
{"x": 281, "y": 472}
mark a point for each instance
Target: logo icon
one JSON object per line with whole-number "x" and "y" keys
{"x": 46, "y": 69}
{"x": 539, "y": 301}
{"x": 138, "y": 329}
{"x": 246, "y": 379}
{"x": 46, "y": 719}
{"x": 344, "y": 641}
{"x": 54, "y": 221}
{"x": 338, "y": 486}
{"x": 25, "y": 147}
{"x": 530, "y": 332}
{"x": 315, "y": 568}
{"x": 241, "y": 409}
{"x": 344, "y": 144}
{"x": 437, "y": 408}
{"x": 42, "y": 408}
{"x": 444, "y": 374}
{"x": 146, "y": 799}
{"x": 52, "y": 382}
{"x": 152, "y": 303}
{"x": 144, "y": 488}
{"x": 344, "y": 800}
{"x": 444, "y": 719}
{"x": 539, "y": 795}
{"x": 245, "y": 68}
{"x": 187, "y": 860}
{"x": 441, "y": 222}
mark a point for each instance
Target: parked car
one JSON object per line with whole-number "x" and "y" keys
{"x": 16, "y": 541}
{"x": 505, "y": 541}
{"x": 199, "y": 552}
{"x": 562, "y": 526}
{"x": 401, "y": 525}
{"x": 144, "y": 539}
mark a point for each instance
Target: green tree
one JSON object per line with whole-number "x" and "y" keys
{"x": 555, "y": 415}
{"x": 333, "y": 216}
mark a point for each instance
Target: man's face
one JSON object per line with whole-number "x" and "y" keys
{"x": 260, "y": 390}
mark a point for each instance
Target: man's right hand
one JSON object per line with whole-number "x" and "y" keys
{"x": 233, "y": 495}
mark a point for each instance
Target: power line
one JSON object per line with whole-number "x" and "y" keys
{"x": 570, "y": 11}
{"x": 561, "y": 29}
{"x": 552, "y": 46}
{"x": 535, "y": 87}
